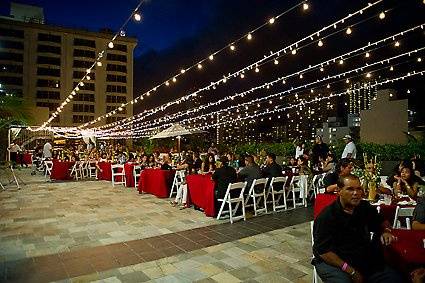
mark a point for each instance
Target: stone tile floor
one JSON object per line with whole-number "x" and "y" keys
{"x": 88, "y": 231}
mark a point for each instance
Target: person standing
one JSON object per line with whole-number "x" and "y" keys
{"x": 319, "y": 151}
{"x": 47, "y": 150}
{"x": 14, "y": 149}
{"x": 350, "y": 150}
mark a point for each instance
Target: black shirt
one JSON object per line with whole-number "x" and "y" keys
{"x": 348, "y": 236}
{"x": 272, "y": 170}
{"x": 223, "y": 176}
{"x": 330, "y": 179}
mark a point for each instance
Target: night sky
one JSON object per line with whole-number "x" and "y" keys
{"x": 164, "y": 21}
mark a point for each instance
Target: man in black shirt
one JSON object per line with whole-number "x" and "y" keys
{"x": 223, "y": 176}
{"x": 272, "y": 169}
{"x": 343, "y": 248}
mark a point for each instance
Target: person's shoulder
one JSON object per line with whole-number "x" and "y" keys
{"x": 328, "y": 213}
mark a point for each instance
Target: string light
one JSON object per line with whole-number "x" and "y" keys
{"x": 272, "y": 53}
{"x": 305, "y": 6}
{"x": 344, "y": 55}
{"x": 382, "y": 15}
{"x": 111, "y": 44}
{"x": 271, "y": 21}
{"x": 199, "y": 66}
{"x": 367, "y": 55}
{"x": 309, "y": 84}
{"x": 320, "y": 43}
{"x": 232, "y": 47}
{"x": 348, "y": 31}
{"x": 276, "y": 61}
{"x": 137, "y": 17}
{"x": 293, "y": 106}
{"x": 249, "y": 36}
{"x": 397, "y": 44}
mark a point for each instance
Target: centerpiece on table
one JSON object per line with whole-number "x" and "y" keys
{"x": 369, "y": 176}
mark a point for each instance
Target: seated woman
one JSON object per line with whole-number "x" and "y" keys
{"x": 303, "y": 167}
{"x": 343, "y": 168}
{"x": 181, "y": 196}
{"x": 329, "y": 163}
{"x": 406, "y": 183}
{"x": 209, "y": 164}
{"x": 166, "y": 162}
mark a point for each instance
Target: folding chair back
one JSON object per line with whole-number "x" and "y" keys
{"x": 136, "y": 174}
{"x": 48, "y": 170}
{"x": 92, "y": 169}
{"x": 257, "y": 192}
{"x": 177, "y": 181}
{"x": 277, "y": 186}
{"x": 405, "y": 212}
{"x": 118, "y": 171}
{"x": 234, "y": 194}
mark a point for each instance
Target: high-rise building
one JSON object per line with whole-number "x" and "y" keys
{"x": 43, "y": 64}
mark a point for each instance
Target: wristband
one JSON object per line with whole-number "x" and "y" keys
{"x": 344, "y": 266}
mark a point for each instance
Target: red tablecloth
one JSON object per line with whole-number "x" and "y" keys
{"x": 201, "y": 192}
{"x": 156, "y": 182}
{"x": 322, "y": 201}
{"x": 61, "y": 170}
{"x": 129, "y": 177}
{"x": 106, "y": 173}
{"x": 408, "y": 251}
{"x": 27, "y": 158}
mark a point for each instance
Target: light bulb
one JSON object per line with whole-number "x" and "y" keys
{"x": 419, "y": 59}
{"x": 111, "y": 44}
{"x": 368, "y": 75}
{"x": 391, "y": 68}
{"x": 341, "y": 62}
{"x": 294, "y": 52}
{"x": 182, "y": 71}
{"x": 301, "y": 76}
{"x": 242, "y": 76}
{"x": 211, "y": 57}
{"x": 276, "y": 61}
{"x": 99, "y": 63}
{"x": 320, "y": 43}
{"x": 137, "y": 17}
{"x": 367, "y": 55}
{"x": 271, "y": 21}
{"x": 257, "y": 70}
{"x": 199, "y": 66}
{"x": 249, "y": 36}
{"x": 328, "y": 86}
{"x": 88, "y": 71}
{"x": 88, "y": 77}
{"x": 305, "y": 6}
{"x": 232, "y": 47}
{"x": 321, "y": 69}
{"x": 167, "y": 83}
{"x": 347, "y": 81}
{"x": 397, "y": 44}
{"x": 382, "y": 15}
{"x": 174, "y": 79}
{"x": 348, "y": 31}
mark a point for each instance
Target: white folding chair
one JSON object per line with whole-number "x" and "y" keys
{"x": 92, "y": 169}
{"x": 229, "y": 199}
{"x": 48, "y": 168}
{"x": 84, "y": 165}
{"x": 319, "y": 188}
{"x": 405, "y": 212}
{"x": 316, "y": 278}
{"x": 177, "y": 181}
{"x": 298, "y": 184}
{"x": 76, "y": 171}
{"x": 136, "y": 174}
{"x": 258, "y": 192}
{"x": 118, "y": 171}
{"x": 277, "y": 186}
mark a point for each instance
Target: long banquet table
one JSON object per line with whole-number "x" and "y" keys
{"x": 156, "y": 182}
{"x": 61, "y": 170}
{"x": 201, "y": 192}
{"x": 129, "y": 176}
{"x": 106, "y": 171}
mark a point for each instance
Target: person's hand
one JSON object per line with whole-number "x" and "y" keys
{"x": 418, "y": 275}
{"x": 357, "y": 277}
{"x": 387, "y": 238}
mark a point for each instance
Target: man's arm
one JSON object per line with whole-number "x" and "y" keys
{"x": 416, "y": 225}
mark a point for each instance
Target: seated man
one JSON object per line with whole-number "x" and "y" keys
{"x": 343, "y": 248}
{"x": 223, "y": 176}
{"x": 272, "y": 169}
{"x": 419, "y": 215}
{"x": 250, "y": 172}
{"x": 343, "y": 168}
